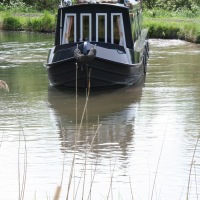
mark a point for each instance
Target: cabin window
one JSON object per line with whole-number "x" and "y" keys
{"x": 117, "y": 29}
{"x": 86, "y": 30}
{"x": 69, "y": 34}
{"x": 101, "y": 28}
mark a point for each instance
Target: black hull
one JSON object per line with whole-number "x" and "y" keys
{"x": 97, "y": 73}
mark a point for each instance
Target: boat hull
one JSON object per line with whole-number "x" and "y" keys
{"x": 106, "y": 41}
{"x": 96, "y": 73}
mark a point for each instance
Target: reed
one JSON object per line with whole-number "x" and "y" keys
{"x": 131, "y": 188}
{"x": 58, "y": 189}
{"x": 78, "y": 131}
{"x": 22, "y": 185}
{"x": 110, "y": 188}
{"x": 154, "y": 182}
{"x": 191, "y": 166}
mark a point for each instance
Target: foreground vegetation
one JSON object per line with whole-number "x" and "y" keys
{"x": 183, "y": 24}
{"x": 164, "y": 20}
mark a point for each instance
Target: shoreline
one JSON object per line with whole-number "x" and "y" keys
{"x": 174, "y": 28}
{"x": 187, "y": 29}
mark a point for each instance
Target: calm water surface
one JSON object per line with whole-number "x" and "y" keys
{"x": 132, "y": 143}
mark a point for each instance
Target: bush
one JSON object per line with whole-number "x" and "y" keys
{"x": 179, "y": 13}
{"x": 198, "y": 38}
{"x": 16, "y": 6}
{"x": 190, "y": 32}
{"x": 185, "y": 12}
{"x": 46, "y": 23}
{"x": 11, "y": 23}
{"x": 160, "y": 29}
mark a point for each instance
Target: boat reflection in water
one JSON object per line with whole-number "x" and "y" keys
{"x": 112, "y": 112}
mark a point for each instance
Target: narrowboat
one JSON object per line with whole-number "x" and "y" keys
{"x": 98, "y": 44}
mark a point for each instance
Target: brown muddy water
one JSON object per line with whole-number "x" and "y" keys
{"x": 134, "y": 143}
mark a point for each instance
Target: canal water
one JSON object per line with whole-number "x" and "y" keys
{"x": 130, "y": 143}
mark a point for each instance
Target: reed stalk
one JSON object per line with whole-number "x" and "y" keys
{"x": 57, "y": 193}
{"x": 83, "y": 189}
{"x": 19, "y": 184}
{"x": 154, "y": 182}
{"x": 86, "y": 103}
{"x": 78, "y": 130}
{"x": 58, "y": 189}
{"x": 110, "y": 188}
{"x": 195, "y": 174}
{"x": 22, "y": 185}
{"x": 70, "y": 178}
{"x": 92, "y": 180}
{"x": 191, "y": 166}
{"x": 131, "y": 188}
{"x": 25, "y": 167}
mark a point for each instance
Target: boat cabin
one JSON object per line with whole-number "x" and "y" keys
{"x": 101, "y": 21}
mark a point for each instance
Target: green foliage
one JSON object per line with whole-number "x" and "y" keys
{"x": 160, "y": 29}
{"x": 2, "y": 7}
{"x": 172, "y": 5}
{"x": 16, "y": 6}
{"x": 45, "y": 23}
{"x": 41, "y": 5}
{"x": 180, "y": 13}
{"x": 158, "y": 13}
{"x": 174, "y": 29}
{"x": 11, "y": 23}
{"x": 185, "y": 12}
{"x": 190, "y": 32}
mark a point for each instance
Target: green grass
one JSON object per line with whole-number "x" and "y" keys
{"x": 183, "y": 24}
{"x": 45, "y": 23}
{"x": 173, "y": 29}
{"x": 39, "y": 22}
{"x": 12, "y": 23}
{"x": 180, "y": 13}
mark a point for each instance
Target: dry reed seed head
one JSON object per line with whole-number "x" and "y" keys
{"x": 4, "y": 86}
{"x": 57, "y": 193}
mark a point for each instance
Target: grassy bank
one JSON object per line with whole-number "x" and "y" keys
{"x": 183, "y": 24}
{"x": 38, "y": 22}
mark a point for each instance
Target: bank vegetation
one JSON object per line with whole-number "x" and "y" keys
{"x": 167, "y": 19}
